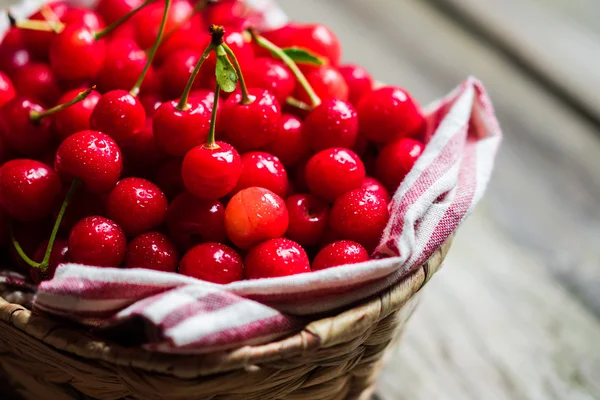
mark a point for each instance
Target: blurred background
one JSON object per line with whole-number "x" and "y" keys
{"x": 514, "y": 314}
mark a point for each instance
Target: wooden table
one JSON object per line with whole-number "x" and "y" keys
{"x": 514, "y": 313}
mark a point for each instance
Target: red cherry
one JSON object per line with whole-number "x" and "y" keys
{"x": 396, "y": 160}
{"x": 334, "y": 123}
{"x": 211, "y": 172}
{"x": 316, "y": 38}
{"x": 389, "y": 113}
{"x": 190, "y": 34}
{"x": 19, "y": 133}
{"x": 327, "y": 83}
{"x": 342, "y": 252}
{"x": 82, "y": 16}
{"x": 191, "y": 221}
{"x": 137, "y": 205}
{"x": 359, "y": 81}
{"x": 152, "y": 250}
{"x": 213, "y": 262}
{"x": 273, "y": 75}
{"x": 177, "y": 131}
{"x": 37, "y": 81}
{"x": 360, "y": 215}
{"x": 290, "y": 143}
{"x": 373, "y": 185}
{"x": 112, "y": 10}
{"x": 141, "y": 154}
{"x": 76, "y": 54}
{"x": 254, "y": 215}
{"x": 38, "y": 42}
{"x": 14, "y": 36}
{"x": 333, "y": 172}
{"x": 124, "y": 63}
{"x": 119, "y": 114}
{"x": 7, "y": 89}
{"x": 206, "y": 97}
{"x": 151, "y": 102}
{"x": 147, "y": 21}
{"x": 168, "y": 177}
{"x": 308, "y": 218}
{"x": 263, "y": 170}
{"x": 176, "y": 70}
{"x": 14, "y": 57}
{"x": 250, "y": 126}
{"x": 28, "y": 189}
{"x": 75, "y": 118}
{"x": 92, "y": 157}
{"x": 227, "y": 13}
{"x": 58, "y": 255}
{"x": 275, "y": 258}
{"x": 97, "y": 241}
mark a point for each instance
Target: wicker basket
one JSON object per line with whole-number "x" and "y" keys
{"x": 332, "y": 358}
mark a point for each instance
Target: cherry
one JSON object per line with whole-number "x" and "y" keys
{"x": 113, "y": 10}
{"x": 151, "y": 102}
{"x": 227, "y": 13}
{"x": 206, "y": 97}
{"x": 376, "y": 187}
{"x": 186, "y": 34}
{"x": 152, "y": 250}
{"x": 360, "y": 215}
{"x": 396, "y": 160}
{"x": 191, "y": 221}
{"x": 92, "y": 157}
{"x": 19, "y": 133}
{"x": 326, "y": 81}
{"x": 250, "y": 126}
{"x": 290, "y": 143}
{"x": 334, "y": 123}
{"x": 263, "y": 170}
{"x": 175, "y": 71}
{"x": 141, "y": 154}
{"x": 213, "y": 262}
{"x": 75, "y": 118}
{"x": 82, "y": 16}
{"x": 147, "y": 21}
{"x": 168, "y": 177}
{"x": 342, "y": 252}
{"x": 211, "y": 171}
{"x": 7, "y": 89}
{"x": 82, "y": 204}
{"x": 37, "y": 41}
{"x": 28, "y": 189}
{"x": 333, "y": 172}
{"x": 97, "y": 241}
{"x": 76, "y": 54}
{"x": 36, "y": 81}
{"x": 273, "y": 75}
{"x": 254, "y": 215}
{"x": 389, "y": 113}
{"x": 309, "y": 216}
{"x": 316, "y": 38}
{"x": 58, "y": 255}
{"x": 275, "y": 258}
{"x": 14, "y": 36}
{"x": 14, "y": 57}
{"x": 359, "y": 81}
{"x": 137, "y": 205}
{"x": 124, "y": 63}
{"x": 119, "y": 114}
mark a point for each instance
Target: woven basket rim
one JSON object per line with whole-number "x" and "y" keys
{"x": 347, "y": 325}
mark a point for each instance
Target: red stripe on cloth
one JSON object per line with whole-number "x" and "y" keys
{"x": 203, "y": 305}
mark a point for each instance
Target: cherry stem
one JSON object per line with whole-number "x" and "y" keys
{"x": 106, "y": 31}
{"x": 59, "y": 218}
{"x": 135, "y": 90}
{"x": 50, "y": 16}
{"x": 245, "y": 97}
{"x": 36, "y": 116}
{"x": 298, "y": 104}
{"x": 210, "y": 143}
{"x": 272, "y": 47}
{"x": 43, "y": 266}
{"x": 30, "y": 24}
{"x": 183, "y": 100}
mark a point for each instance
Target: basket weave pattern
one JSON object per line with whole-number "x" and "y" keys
{"x": 334, "y": 358}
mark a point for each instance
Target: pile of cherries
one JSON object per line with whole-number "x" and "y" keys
{"x": 171, "y": 135}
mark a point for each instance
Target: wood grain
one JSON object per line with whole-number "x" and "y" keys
{"x": 514, "y": 313}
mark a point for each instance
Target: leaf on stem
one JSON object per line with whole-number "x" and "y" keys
{"x": 225, "y": 72}
{"x": 302, "y": 56}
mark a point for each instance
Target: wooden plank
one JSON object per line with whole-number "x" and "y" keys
{"x": 558, "y": 40}
{"x": 511, "y": 316}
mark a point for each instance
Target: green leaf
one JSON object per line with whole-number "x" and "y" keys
{"x": 225, "y": 73}
{"x": 302, "y": 56}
